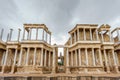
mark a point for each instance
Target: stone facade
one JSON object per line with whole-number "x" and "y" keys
{"x": 88, "y": 50}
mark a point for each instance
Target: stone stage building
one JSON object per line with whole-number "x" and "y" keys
{"x": 89, "y": 49}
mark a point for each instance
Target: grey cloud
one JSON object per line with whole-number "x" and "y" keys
{"x": 59, "y": 15}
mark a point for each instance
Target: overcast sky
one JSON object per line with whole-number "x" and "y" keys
{"x": 60, "y": 16}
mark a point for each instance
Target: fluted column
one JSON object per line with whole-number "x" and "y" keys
{"x": 97, "y": 34}
{"x": 11, "y": 30}
{"x": 50, "y": 39}
{"x": 78, "y": 34}
{"x": 6, "y": 55}
{"x": 100, "y": 56}
{"x": 15, "y": 57}
{"x": 106, "y": 61}
{"x": 45, "y": 58}
{"x": 115, "y": 63}
{"x": 36, "y": 33}
{"x": 24, "y": 34}
{"x": 34, "y": 61}
{"x": 18, "y": 34}
{"x": 79, "y": 56}
{"x": 54, "y": 62}
{"x": 20, "y": 57}
{"x": 46, "y": 36}
{"x": 76, "y": 61}
{"x": 1, "y": 35}
{"x": 118, "y": 34}
{"x": 90, "y": 34}
{"x": 49, "y": 58}
{"x": 110, "y": 36}
{"x": 67, "y": 59}
{"x": 93, "y": 56}
{"x": 86, "y": 55}
{"x": 71, "y": 40}
{"x": 27, "y": 57}
{"x": 30, "y": 33}
{"x": 74, "y": 37}
{"x": 41, "y": 61}
{"x": 84, "y": 34}
{"x": 43, "y": 35}
{"x": 71, "y": 58}
{"x": 102, "y": 37}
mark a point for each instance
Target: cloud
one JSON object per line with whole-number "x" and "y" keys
{"x": 60, "y": 16}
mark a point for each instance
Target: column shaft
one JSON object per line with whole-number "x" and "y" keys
{"x": 18, "y": 34}
{"x": 105, "y": 57}
{"x": 15, "y": 57}
{"x": 79, "y": 57}
{"x": 50, "y": 39}
{"x": 76, "y": 57}
{"x": 45, "y": 58}
{"x": 1, "y": 33}
{"x": 67, "y": 57}
{"x": 93, "y": 56}
{"x": 34, "y": 62}
{"x": 37, "y": 34}
{"x": 118, "y": 34}
{"x": 71, "y": 58}
{"x": 41, "y": 61}
{"x": 78, "y": 34}
{"x": 97, "y": 35}
{"x": 86, "y": 55}
{"x": 46, "y": 36}
{"x": 90, "y": 34}
{"x": 30, "y": 33}
{"x": 49, "y": 58}
{"x": 110, "y": 36}
{"x": 20, "y": 58}
{"x": 11, "y": 30}
{"x": 84, "y": 34}
{"x": 74, "y": 37}
{"x": 27, "y": 57}
{"x": 6, "y": 55}
{"x": 100, "y": 56}
{"x": 43, "y": 35}
{"x": 102, "y": 37}
{"x": 24, "y": 34}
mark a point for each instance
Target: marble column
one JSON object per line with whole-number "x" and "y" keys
{"x": 102, "y": 37}
{"x": 41, "y": 61}
{"x": 1, "y": 35}
{"x": 115, "y": 63}
{"x": 110, "y": 36}
{"x": 54, "y": 62}
{"x": 46, "y": 36}
{"x": 78, "y": 34}
{"x": 71, "y": 58}
{"x": 50, "y": 39}
{"x": 76, "y": 57}
{"x": 45, "y": 58}
{"x": 67, "y": 61}
{"x": 49, "y": 58}
{"x": 30, "y": 33}
{"x": 43, "y": 35}
{"x": 36, "y": 33}
{"x": 24, "y": 34}
{"x": 20, "y": 57}
{"x": 27, "y": 57}
{"x": 6, "y": 55}
{"x": 118, "y": 34}
{"x": 11, "y": 30}
{"x": 86, "y": 55}
{"x": 15, "y": 56}
{"x": 90, "y": 34}
{"x": 106, "y": 61}
{"x": 97, "y": 34}
{"x": 74, "y": 37}
{"x": 79, "y": 51}
{"x": 84, "y": 34}
{"x": 93, "y": 57}
{"x": 71, "y": 40}
{"x": 100, "y": 56}
{"x": 8, "y": 37}
{"x": 34, "y": 61}
{"x": 18, "y": 34}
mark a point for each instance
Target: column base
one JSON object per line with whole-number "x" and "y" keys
{"x": 108, "y": 69}
{"x": 53, "y": 71}
{"x": 13, "y": 69}
{"x": 116, "y": 69}
{"x": 68, "y": 71}
{"x": 3, "y": 69}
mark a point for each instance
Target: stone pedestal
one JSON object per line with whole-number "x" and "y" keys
{"x": 108, "y": 69}
{"x": 68, "y": 70}
{"x": 116, "y": 69}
